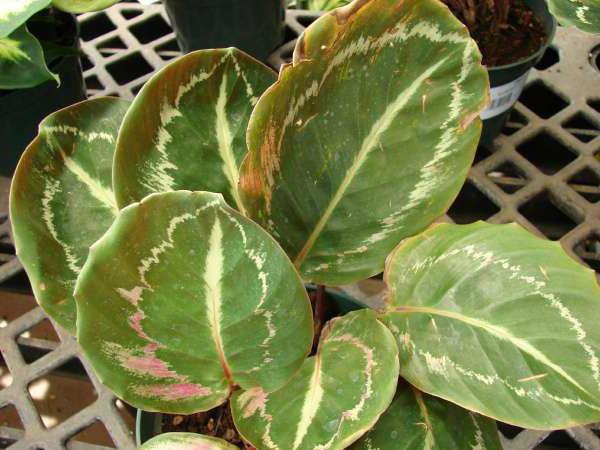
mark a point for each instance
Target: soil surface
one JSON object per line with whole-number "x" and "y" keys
{"x": 502, "y": 42}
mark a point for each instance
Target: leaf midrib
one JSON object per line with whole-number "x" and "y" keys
{"x": 496, "y": 331}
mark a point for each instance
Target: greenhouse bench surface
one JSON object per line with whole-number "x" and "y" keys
{"x": 543, "y": 172}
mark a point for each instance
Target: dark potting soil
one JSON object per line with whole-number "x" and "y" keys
{"x": 502, "y": 42}
{"x": 217, "y": 423}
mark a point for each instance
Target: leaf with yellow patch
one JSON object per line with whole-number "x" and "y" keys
{"x": 186, "y": 441}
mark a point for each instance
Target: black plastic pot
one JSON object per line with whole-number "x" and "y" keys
{"x": 23, "y": 109}
{"x": 254, "y": 26}
{"x": 507, "y": 81}
{"x": 149, "y": 424}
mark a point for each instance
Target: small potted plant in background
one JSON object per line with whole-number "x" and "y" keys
{"x": 254, "y": 26}
{"x": 40, "y": 70}
{"x": 186, "y": 300}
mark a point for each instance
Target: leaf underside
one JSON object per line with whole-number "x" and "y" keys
{"x": 186, "y": 441}
{"x": 183, "y": 299}
{"x": 61, "y": 200}
{"x": 194, "y": 114}
{"x": 417, "y": 421}
{"x": 367, "y": 137}
{"x": 583, "y": 14}
{"x": 498, "y": 321}
{"x": 335, "y": 397}
{"x": 22, "y": 63}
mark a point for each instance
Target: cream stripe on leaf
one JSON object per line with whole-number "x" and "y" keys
{"x": 337, "y": 395}
{"x": 384, "y": 87}
{"x": 186, "y": 441}
{"x": 417, "y": 421}
{"x": 498, "y": 321}
{"x": 61, "y": 200}
{"x": 194, "y": 114}
{"x": 583, "y": 14}
{"x": 183, "y": 267}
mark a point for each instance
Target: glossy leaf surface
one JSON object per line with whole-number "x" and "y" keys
{"x": 498, "y": 321}
{"x": 183, "y": 299}
{"x": 22, "y": 63}
{"x": 186, "y": 441}
{"x": 335, "y": 397}
{"x": 14, "y": 13}
{"x": 187, "y": 127}
{"x": 367, "y": 137}
{"x": 82, "y": 6}
{"x": 583, "y": 14}
{"x": 61, "y": 200}
{"x": 417, "y": 421}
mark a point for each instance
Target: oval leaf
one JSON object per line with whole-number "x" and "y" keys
{"x": 183, "y": 299}
{"x": 14, "y": 13}
{"x": 335, "y": 397}
{"x": 416, "y": 421}
{"x": 82, "y": 6}
{"x": 186, "y": 128}
{"x": 498, "y": 321}
{"x": 22, "y": 63}
{"x": 186, "y": 441}
{"x": 61, "y": 200}
{"x": 583, "y": 14}
{"x": 381, "y": 103}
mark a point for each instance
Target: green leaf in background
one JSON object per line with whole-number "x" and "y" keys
{"x": 367, "y": 137}
{"x": 22, "y": 63}
{"x": 183, "y": 299}
{"x": 14, "y": 13}
{"x": 583, "y": 14}
{"x": 417, "y": 421}
{"x": 498, "y": 321}
{"x": 335, "y": 397}
{"x": 61, "y": 200}
{"x": 186, "y": 129}
{"x": 186, "y": 441}
{"x": 82, "y": 6}
{"x": 317, "y": 5}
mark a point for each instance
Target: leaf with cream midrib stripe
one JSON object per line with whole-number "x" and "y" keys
{"x": 583, "y": 14}
{"x": 14, "y": 13}
{"x": 417, "y": 421}
{"x": 61, "y": 200}
{"x": 381, "y": 102}
{"x": 193, "y": 116}
{"x": 498, "y": 321}
{"x": 335, "y": 397}
{"x": 184, "y": 299}
{"x": 186, "y": 441}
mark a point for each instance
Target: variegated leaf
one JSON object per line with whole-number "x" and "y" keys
{"x": 186, "y": 129}
{"x": 498, "y": 321}
{"x": 417, "y": 421}
{"x": 183, "y": 299}
{"x": 186, "y": 441}
{"x": 367, "y": 137}
{"x": 583, "y": 14}
{"x": 335, "y": 397}
{"x": 22, "y": 63}
{"x": 14, "y": 13}
{"x": 61, "y": 200}
{"x": 81, "y": 6}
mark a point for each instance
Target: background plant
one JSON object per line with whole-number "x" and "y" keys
{"x": 185, "y": 299}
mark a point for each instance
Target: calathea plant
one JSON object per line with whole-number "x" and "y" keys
{"x": 175, "y": 234}
{"x": 23, "y": 58}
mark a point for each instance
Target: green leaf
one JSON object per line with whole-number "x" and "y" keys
{"x": 186, "y": 129}
{"x": 14, "y": 13}
{"x": 583, "y": 14}
{"x": 22, "y": 63}
{"x": 367, "y": 137}
{"x": 186, "y": 441}
{"x": 417, "y": 421}
{"x": 317, "y": 5}
{"x": 61, "y": 201}
{"x": 183, "y": 299}
{"x": 497, "y": 321}
{"x": 335, "y": 397}
{"x": 82, "y": 6}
